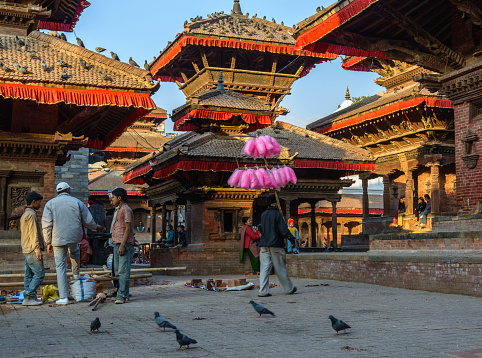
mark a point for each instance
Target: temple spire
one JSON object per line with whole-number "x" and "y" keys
{"x": 220, "y": 86}
{"x": 236, "y": 8}
{"x": 347, "y": 95}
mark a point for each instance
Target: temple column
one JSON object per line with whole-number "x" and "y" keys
{"x": 365, "y": 202}
{"x": 313, "y": 225}
{"x": 175, "y": 219}
{"x": 408, "y": 192}
{"x": 3, "y": 202}
{"x": 288, "y": 206}
{"x": 435, "y": 187}
{"x": 153, "y": 223}
{"x": 334, "y": 225}
{"x": 386, "y": 196}
{"x": 187, "y": 215}
{"x": 164, "y": 223}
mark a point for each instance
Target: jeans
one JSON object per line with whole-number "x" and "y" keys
{"x": 269, "y": 257}
{"x": 60, "y": 255}
{"x": 122, "y": 265}
{"x": 423, "y": 217}
{"x": 34, "y": 274}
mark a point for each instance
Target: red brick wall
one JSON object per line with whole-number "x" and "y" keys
{"x": 468, "y": 180}
{"x": 429, "y": 244}
{"x": 200, "y": 263}
{"x": 438, "y": 276}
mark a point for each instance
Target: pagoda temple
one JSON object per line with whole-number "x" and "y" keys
{"x": 56, "y": 97}
{"x": 410, "y": 133}
{"x": 235, "y": 70}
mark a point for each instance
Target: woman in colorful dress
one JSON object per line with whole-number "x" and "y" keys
{"x": 248, "y": 244}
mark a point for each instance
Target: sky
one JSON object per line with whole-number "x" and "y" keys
{"x": 142, "y": 28}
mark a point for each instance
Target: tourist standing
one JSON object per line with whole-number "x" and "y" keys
{"x": 274, "y": 232}
{"x": 427, "y": 210}
{"x": 123, "y": 240}
{"x": 249, "y": 244}
{"x": 63, "y": 222}
{"x": 32, "y": 242}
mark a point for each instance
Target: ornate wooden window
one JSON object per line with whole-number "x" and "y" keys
{"x": 470, "y": 156}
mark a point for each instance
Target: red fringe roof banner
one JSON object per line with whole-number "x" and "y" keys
{"x": 66, "y": 27}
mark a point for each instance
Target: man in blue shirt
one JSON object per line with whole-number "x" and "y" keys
{"x": 170, "y": 236}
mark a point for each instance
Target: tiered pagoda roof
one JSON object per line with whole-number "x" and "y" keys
{"x": 257, "y": 56}
{"x": 97, "y": 98}
{"x": 216, "y": 153}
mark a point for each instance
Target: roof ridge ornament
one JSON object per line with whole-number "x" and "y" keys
{"x": 347, "y": 95}
{"x": 220, "y": 86}
{"x": 236, "y": 8}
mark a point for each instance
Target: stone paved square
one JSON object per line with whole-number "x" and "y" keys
{"x": 386, "y": 322}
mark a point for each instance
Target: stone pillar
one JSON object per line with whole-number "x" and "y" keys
{"x": 386, "y": 196}
{"x": 3, "y": 202}
{"x": 76, "y": 173}
{"x": 408, "y": 193}
{"x": 288, "y": 206}
{"x": 188, "y": 221}
{"x": 435, "y": 187}
{"x": 153, "y": 223}
{"x": 176, "y": 234}
{"x": 334, "y": 225}
{"x": 313, "y": 225}
{"x": 164, "y": 212}
{"x": 365, "y": 203}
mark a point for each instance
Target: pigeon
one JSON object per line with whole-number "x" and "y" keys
{"x": 99, "y": 49}
{"x": 65, "y": 76}
{"x": 95, "y": 325}
{"x": 19, "y": 41}
{"x": 20, "y": 68}
{"x": 44, "y": 66}
{"x": 83, "y": 64}
{"x": 31, "y": 55}
{"x": 132, "y": 62}
{"x": 80, "y": 42}
{"x": 338, "y": 324}
{"x": 5, "y": 68}
{"x": 62, "y": 63}
{"x": 114, "y": 56}
{"x": 104, "y": 76}
{"x": 162, "y": 322}
{"x": 261, "y": 309}
{"x": 63, "y": 37}
{"x": 184, "y": 340}
{"x": 146, "y": 66}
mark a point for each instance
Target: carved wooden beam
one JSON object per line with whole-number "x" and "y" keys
{"x": 420, "y": 35}
{"x": 395, "y": 49}
{"x": 81, "y": 116}
{"x": 468, "y": 7}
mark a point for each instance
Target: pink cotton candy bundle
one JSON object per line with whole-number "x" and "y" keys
{"x": 291, "y": 174}
{"x": 261, "y": 147}
{"x": 233, "y": 180}
{"x": 276, "y": 179}
{"x": 259, "y": 176}
{"x": 284, "y": 178}
{"x": 255, "y": 153}
{"x": 249, "y": 146}
{"x": 245, "y": 180}
{"x": 266, "y": 180}
{"x": 267, "y": 145}
{"x": 253, "y": 180}
{"x": 274, "y": 143}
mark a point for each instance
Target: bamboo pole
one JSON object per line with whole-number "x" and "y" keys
{"x": 275, "y": 193}
{"x": 18, "y": 284}
{"x": 69, "y": 274}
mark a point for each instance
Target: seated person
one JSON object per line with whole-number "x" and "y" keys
{"x": 140, "y": 227}
{"x": 170, "y": 236}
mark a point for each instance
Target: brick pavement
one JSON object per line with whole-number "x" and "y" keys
{"x": 387, "y": 322}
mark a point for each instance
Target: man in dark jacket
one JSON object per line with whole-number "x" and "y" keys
{"x": 272, "y": 249}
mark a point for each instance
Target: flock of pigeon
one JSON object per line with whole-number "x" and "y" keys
{"x": 30, "y": 53}
{"x": 183, "y": 340}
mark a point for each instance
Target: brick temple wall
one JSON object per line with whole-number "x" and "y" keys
{"x": 469, "y": 189}
{"x": 416, "y": 272}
